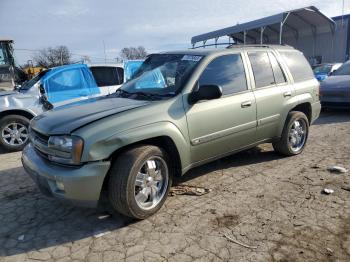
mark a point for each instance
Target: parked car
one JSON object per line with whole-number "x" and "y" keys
{"x": 180, "y": 110}
{"x": 324, "y": 70}
{"x": 52, "y": 88}
{"x": 335, "y": 90}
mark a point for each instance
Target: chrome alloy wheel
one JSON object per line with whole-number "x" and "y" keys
{"x": 297, "y": 135}
{"x": 15, "y": 134}
{"x": 151, "y": 183}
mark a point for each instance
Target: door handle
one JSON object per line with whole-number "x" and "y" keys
{"x": 287, "y": 94}
{"x": 246, "y": 104}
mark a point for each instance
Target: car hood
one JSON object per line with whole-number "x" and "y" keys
{"x": 336, "y": 82}
{"x": 7, "y": 93}
{"x": 66, "y": 119}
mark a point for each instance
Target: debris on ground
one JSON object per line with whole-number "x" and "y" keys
{"x": 315, "y": 166}
{"x": 103, "y": 216}
{"x": 337, "y": 169}
{"x": 328, "y": 191}
{"x": 189, "y": 190}
{"x": 346, "y": 188}
{"x": 329, "y": 251}
{"x": 99, "y": 234}
{"x": 21, "y": 238}
{"x": 239, "y": 243}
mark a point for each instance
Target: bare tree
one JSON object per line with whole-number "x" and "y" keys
{"x": 132, "y": 53}
{"x": 50, "y": 57}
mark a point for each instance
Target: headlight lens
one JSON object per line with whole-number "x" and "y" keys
{"x": 66, "y": 149}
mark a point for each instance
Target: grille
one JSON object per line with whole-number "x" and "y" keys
{"x": 40, "y": 143}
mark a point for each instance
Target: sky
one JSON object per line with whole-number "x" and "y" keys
{"x": 86, "y": 26}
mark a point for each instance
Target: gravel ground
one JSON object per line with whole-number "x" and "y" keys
{"x": 271, "y": 207}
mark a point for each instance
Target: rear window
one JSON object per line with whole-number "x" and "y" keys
{"x": 298, "y": 65}
{"x": 105, "y": 76}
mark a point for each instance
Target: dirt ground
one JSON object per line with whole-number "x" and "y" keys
{"x": 270, "y": 206}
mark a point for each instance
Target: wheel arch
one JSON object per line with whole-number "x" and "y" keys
{"x": 164, "y": 142}
{"x": 19, "y": 112}
{"x": 304, "y": 108}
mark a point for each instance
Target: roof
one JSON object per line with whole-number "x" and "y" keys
{"x": 307, "y": 19}
{"x": 6, "y": 40}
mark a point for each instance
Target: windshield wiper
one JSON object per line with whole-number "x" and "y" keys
{"x": 121, "y": 92}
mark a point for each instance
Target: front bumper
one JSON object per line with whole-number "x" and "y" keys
{"x": 316, "y": 110}
{"x": 82, "y": 185}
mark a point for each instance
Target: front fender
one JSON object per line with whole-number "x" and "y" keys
{"x": 105, "y": 148}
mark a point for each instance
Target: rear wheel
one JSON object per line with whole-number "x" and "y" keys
{"x": 139, "y": 182}
{"x": 294, "y": 135}
{"x": 14, "y": 132}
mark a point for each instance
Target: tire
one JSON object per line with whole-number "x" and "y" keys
{"x": 288, "y": 143}
{"x": 14, "y": 142}
{"x": 130, "y": 183}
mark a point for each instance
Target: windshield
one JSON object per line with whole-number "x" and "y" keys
{"x": 161, "y": 75}
{"x": 323, "y": 69}
{"x": 28, "y": 84}
{"x": 343, "y": 70}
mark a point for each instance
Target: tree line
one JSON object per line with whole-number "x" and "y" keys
{"x": 61, "y": 55}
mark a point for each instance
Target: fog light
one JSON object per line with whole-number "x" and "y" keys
{"x": 60, "y": 185}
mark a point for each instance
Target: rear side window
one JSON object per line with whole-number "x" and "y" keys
{"x": 105, "y": 76}
{"x": 277, "y": 70}
{"x": 298, "y": 65}
{"x": 226, "y": 71}
{"x": 262, "y": 69}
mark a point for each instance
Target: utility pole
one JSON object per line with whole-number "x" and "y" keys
{"x": 104, "y": 49}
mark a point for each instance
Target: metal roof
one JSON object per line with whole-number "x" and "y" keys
{"x": 271, "y": 29}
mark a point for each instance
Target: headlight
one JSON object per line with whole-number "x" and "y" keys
{"x": 66, "y": 149}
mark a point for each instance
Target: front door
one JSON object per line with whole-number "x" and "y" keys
{"x": 67, "y": 86}
{"x": 226, "y": 124}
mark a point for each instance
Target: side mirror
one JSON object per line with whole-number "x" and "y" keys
{"x": 205, "y": 92}
{"x": 332, "y": 72}
{"x": 43, "y": 98}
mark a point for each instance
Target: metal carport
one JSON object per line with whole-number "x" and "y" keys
{"x": 284, "y": 28}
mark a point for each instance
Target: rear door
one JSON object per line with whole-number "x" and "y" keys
{"x": 108, "y": 78}
{"x": 222, "y": 125}
{"x": 272, "y": 92}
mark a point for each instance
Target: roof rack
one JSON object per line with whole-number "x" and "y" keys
{"x": 257, "y": 45}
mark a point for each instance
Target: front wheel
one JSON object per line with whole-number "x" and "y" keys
{"x": 294, "y": 135}
{"x": 14, "y": 134}
{"x": 139, "y": 182}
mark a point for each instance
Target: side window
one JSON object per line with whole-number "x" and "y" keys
{"x": 2, "y": 56}
{"x": 277, "y": 70}
{"x": 298, "y": 65}
{"x": 226, "y": 71}
{"x": 66, "y": 85}
{"x": 262, "y": 69}
{"x": 105, "y": 76}
{"x": 120, "y": 72}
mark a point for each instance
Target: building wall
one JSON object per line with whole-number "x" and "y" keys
{"x": 326, "y": 48}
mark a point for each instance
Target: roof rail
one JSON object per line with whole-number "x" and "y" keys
{"x": 257, "y": 45}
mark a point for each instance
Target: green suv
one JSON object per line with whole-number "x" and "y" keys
{"x": 180, "y": 110}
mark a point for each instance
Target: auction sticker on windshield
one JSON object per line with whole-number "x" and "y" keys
{"x": 195, "y": 58}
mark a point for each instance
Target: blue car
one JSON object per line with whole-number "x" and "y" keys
{"x": 324, "y": 70}
{"x": 53, "y": 88}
